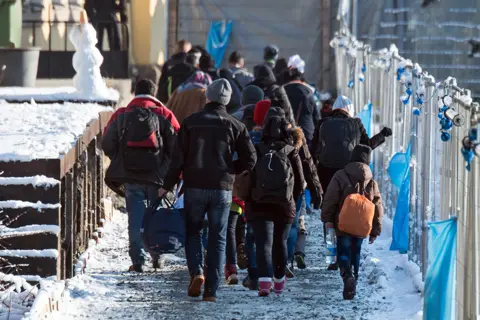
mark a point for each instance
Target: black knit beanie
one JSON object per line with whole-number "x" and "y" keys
{"x": 361, "y": 153}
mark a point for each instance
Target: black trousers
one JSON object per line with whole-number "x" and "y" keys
{"x": 113, "y": 33}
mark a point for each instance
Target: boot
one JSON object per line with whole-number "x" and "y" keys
{"x": 279, "y": 285}
{"x": 333, "y": 266}
{"x": 242, "y": 259}
{"x": 289, "y": 272}
{"x": 156, "y": 263}
{"x": 138, "y": 267}
{"x": 231, "y": 276}
{"x": 195, "y": 287}
{"x": 300, "y": 259}
{"x": 349, "y": 288}
{"x": 264, "y": 286}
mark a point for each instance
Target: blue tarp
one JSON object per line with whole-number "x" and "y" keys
{"x": 398, "y": 166}
{"x": 217, "y": 40}
{"x": 442, "y": 253}
{"x": 366, "y": 116}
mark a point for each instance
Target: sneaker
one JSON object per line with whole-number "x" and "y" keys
{"x": 279, "y": 285}
{"x": 136, "y": 268}
{"x": 231, "y": 276}
{"x": 264, "y": 286}
{"x": 209, "y": 299}
{"x": 242, "y": 259}
{"x": 349, "y": 288}
{"x": 300, "y": 260}
{"x": 288, "y": 272}
{"x": 195, "y": 287}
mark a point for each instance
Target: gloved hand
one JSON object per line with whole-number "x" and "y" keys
{"x": 386, "y": 131}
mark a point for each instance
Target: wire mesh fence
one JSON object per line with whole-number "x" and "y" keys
{"x": 434, "y": 122}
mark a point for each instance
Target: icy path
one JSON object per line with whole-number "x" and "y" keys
{"x": 385, "y": 291}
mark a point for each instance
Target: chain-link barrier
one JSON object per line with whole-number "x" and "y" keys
{"x": 437, "y": 124}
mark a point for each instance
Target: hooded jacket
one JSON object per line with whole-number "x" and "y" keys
{"x": 279, "y": 212}
{"x": 361, "y": 135}
{"x": 205, "y": 147}
{"x": 308, "y": 165}
{"x": 176, "y": 73}
{"x": 116, "y": 176}
{"x": 304, "y": 107}
{"x": 342, "y": 185}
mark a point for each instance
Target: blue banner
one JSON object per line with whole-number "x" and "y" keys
{"x": 401, "y": 218}
{"x": 439, "y": 291}
{"x": 217, "y": 40}
{"x": 366, "y": 116}
{"x": 398, "y": 167}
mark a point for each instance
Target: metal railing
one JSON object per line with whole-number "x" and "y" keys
{"x": 119, "y": 28}
{"x": 409, "y": 101}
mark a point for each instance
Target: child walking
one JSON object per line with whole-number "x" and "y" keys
{"x": 353, "y": 217}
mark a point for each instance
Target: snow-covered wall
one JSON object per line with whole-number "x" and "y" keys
{"x": 42, "y": 131}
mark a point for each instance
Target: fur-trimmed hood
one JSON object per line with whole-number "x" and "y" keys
{"x": 298, "y": 137}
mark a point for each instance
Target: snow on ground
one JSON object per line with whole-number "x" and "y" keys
{"x": 106, "y": 291}
{"x": 53, "y": 94}
{"x": 42, "y": 131}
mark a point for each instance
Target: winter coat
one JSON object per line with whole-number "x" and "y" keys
{"x": 104, "y": 10}
{"x": 178, "y": 71}
{"x": 206, "y": 144}
{"x": 308, "y": 166}
{"x": 187, "y": 102}
{"x": 360, "y": 136}
{"x": 116, "y": 176}
{"x": 304, "y": 107}
{"x": 162, "y": 93}
{"x": 280, "y": 212}
{"x": 341, "y": 186}
{"x": 242, "y": 76}
{"x": 245, "y": 115}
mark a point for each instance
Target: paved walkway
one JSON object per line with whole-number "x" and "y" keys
{"x": 108, "y": 292}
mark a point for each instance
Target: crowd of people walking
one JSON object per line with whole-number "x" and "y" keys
{"x": 256, "y": 153}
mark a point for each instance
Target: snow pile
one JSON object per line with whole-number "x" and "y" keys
{"x": 45, "y": 253}
{"x": 43, "y": 131}
{"x": 53, "y": 94}
{"x": 6, "y": 232}
{"x": 86, "y": 62}
{"x": 35, "y": 181}
{"x": 17, "y": 204}
{"x": 16, "y": 295}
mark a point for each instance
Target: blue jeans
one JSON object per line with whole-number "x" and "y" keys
{"x": 348, "y": 254}
{"x": 293, "y": 235}
{"x": 138, "y": 197}
{"x": 271, "y": 242}
{"x": 216, "y": 203}
{"x": 251, "y": 252}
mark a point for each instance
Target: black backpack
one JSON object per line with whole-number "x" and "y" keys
{"x": 339, "y": 136}
{"x": 274, "y": 179}
{"x": 140, "y": 141}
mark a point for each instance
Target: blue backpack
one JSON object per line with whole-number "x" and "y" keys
{"x": 163, "y": 229}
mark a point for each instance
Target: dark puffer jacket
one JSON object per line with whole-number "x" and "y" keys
{"x": 206, "y": 143}
{"x": 116, "y": 175}
{"x": 357, "y": 134}
{"x": 279, "y": 212}
{"x": 342, "y": 185}
{"x": 304, "y": 107}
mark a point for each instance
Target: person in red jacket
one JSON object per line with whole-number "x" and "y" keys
{"x": 139, "y": 140}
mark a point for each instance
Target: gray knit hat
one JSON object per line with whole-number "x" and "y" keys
{"x": 219, "y": 91}
{"x": 251, "y": 95}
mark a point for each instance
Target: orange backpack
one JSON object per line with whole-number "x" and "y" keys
{"x": 356, "y": 216}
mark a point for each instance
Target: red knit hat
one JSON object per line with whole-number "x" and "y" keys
{"x": 260, "y": 111}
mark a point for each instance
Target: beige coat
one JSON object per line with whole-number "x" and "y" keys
{"x": 342, "y": 185}
{"x": 187, "y": 102}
